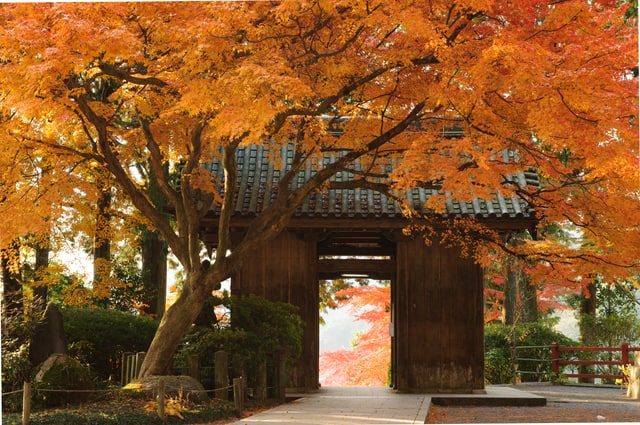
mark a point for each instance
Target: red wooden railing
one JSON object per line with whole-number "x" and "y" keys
{"x": 556, "y": 361}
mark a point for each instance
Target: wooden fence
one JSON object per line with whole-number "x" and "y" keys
{"x": 131, "y": 363}
{"x": 550, "y": 361}
{"x": 557, "y": 361}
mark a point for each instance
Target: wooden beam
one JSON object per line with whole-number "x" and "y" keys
{"x": 374, "y": 269}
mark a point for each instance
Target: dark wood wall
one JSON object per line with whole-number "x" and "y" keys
{"x": 286, "y": 270}
{"x": 438, "y": 320}
{"x": 437, "y": 297}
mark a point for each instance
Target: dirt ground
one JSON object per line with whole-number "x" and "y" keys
{"x": 565, "y": 404}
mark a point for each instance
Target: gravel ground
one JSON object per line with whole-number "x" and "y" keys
{"x": 565, "y": 404}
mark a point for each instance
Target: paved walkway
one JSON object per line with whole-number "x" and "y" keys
{"x": 374, "y": 405}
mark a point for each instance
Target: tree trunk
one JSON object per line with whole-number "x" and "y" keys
{"x": 102, "y": 235}
{"x": 42, "y": 262}
{"x": 154, "y": 265}
{"x": 12, "y": 302}
{"x": 510, "y": 293}
{"x": 173, "y": 326}
{"x": 528, "y": 299}
{"x": 587, "y": 307}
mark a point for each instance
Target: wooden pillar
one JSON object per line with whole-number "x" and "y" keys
{"x": 221, "y": 374}
{"x": 286, "y": 270}
{"x": 439, "y": 323}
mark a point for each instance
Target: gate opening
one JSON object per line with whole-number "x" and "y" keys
{"x": 355, "y": 345}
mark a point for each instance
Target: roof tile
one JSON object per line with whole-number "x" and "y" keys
{"x": 258, "y": 179}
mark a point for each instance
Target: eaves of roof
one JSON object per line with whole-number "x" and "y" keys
{"x": 259, "y": 175}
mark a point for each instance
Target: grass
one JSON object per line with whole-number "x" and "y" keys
{"x": 121, "y": 410}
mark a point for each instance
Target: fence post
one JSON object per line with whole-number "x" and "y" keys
{"x": 221, "y": 375}
{"x": 514, "y": 365}
{"x": 130, "y": 366}
{"x": 161, "y": 396}
{"x": 139, "y": 359}
{"x": 194, "y": 366}
{"x": 124, "y": 377}
{"x": 261, "y": 381}
{"x": 555, "y": 358}
{"x": 281, "y": 376}
{"x": 624, "y": 357}
{"x": 26, "y": 403}
{"x": 238, "y": 394}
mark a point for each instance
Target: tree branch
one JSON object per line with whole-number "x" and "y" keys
{"x": 121, "y": 74}
{"x": 110, "y": 160}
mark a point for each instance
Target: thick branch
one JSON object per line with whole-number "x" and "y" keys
{"x": 126, "y": 76}
{"x": 275, "y": 217}
{"x": 158, "y": 166}
{"x": 224, "y": 222}
{"x": 110, "y": 160}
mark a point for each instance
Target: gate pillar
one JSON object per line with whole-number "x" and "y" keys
{"x": 285, "y": 270}
{"x": 438, "y": 320}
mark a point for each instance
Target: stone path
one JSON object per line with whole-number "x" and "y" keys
{"x": 374, "y": 405}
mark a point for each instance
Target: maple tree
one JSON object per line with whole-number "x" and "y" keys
{"x": 133, "y": 92}
{"x": 367, "y": 362}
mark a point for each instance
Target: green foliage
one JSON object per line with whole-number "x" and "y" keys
{"x": 120, "y": 410}
{"x": 17, "y": 328}
{"x": 632, "y": 13}
{"x": 260, "y": 330}
{"x": 500, "y": 341}
{"x": 99, "y": 336}
{"x": 130, "y": 294}
{"x": 16, "y": 369}
{"x": 611, "y": 331}
{"x": 205, "y": 341}
{"x": 498, "y": 366}
{"x": 615, "y": 322}
{"x": 68, "y": 375}
{"x": 271, "y": 327}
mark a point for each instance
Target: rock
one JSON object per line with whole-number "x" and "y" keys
{"x": 173, "y": 385}
{"x": 48, "y": 337}
{"x": 61, "y": 372}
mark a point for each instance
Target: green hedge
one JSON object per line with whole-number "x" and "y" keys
{"x": 99, "y": 336}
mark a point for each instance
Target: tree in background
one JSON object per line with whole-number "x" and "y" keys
{"x": 615, "y": 319}
{"x": 102, "y": 88}
{"x": 368, "y": 361}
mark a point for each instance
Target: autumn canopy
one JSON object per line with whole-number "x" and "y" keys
{"x": 135, "y": 96}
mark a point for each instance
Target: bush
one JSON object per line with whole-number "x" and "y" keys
{"x": 272, "y": 327}
{"x": 260, "y": 329}
{"x": 500, "y": 341}
{"x": 16, "y": 369}
{"x": 60, "y": 372}
{"x": 99, "y": 337}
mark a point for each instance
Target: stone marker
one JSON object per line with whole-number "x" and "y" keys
{"x": 48, "y": 337}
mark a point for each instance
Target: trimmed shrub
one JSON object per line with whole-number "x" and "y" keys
{"x": 99, "y": 336}
{"x": 260, "y": 329}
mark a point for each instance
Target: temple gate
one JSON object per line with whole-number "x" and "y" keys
{"x": 437, "y": 303}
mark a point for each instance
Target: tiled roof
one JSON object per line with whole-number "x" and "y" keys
{"x": 257, "y": 187}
